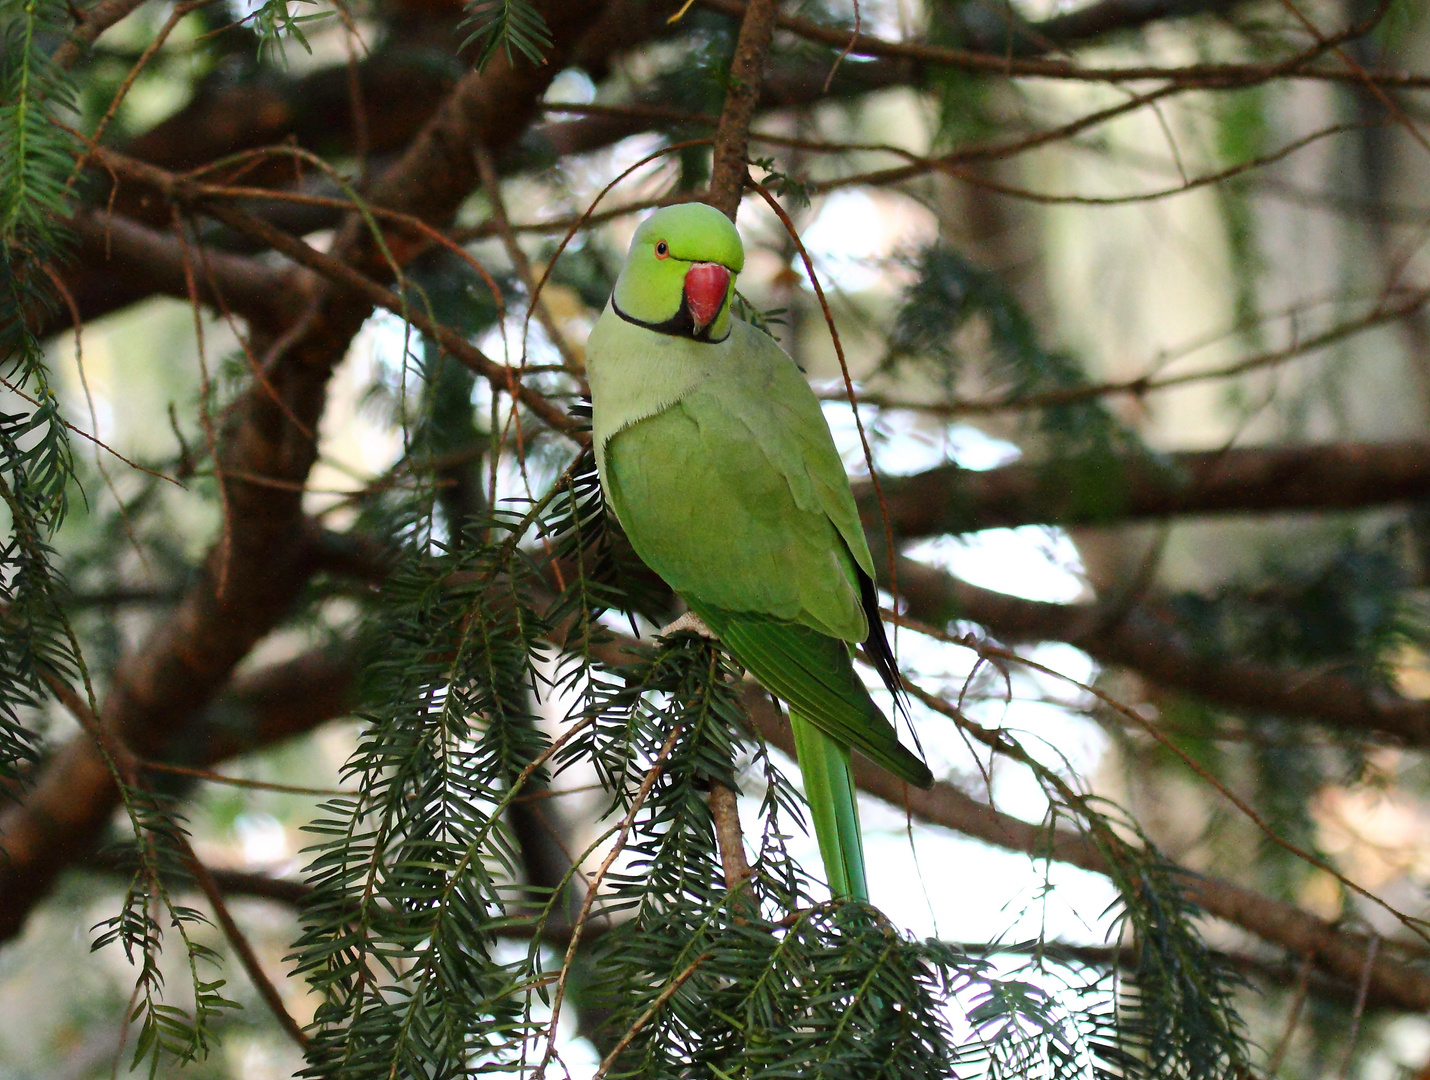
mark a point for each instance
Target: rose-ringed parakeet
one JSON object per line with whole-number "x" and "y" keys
{"x": 718, "y": 462}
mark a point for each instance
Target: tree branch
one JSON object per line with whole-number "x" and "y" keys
{"x": 312, "y": 109}
{"x": 89, "y": 24}
{"x": 732, "y": 134}
{"x": 727, "y": 186}
{"x": 119, "y": 261}
{"x": 1264, "y": 479}
{"x": 265, "y": 544}
{"x": 1149, "y": 643}
{"x": 1097, "y": 20}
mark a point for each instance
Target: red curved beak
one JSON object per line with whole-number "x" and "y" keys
{"x": 706, "y": 285}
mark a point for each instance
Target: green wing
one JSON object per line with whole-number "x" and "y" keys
{"x": 814, "y": 674}
{"x": 709, "y": 510}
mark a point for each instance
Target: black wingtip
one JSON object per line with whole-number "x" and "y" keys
{"x": 876, "y": 645}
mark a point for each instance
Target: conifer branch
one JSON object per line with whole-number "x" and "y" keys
{"x": 1337, "y": 952}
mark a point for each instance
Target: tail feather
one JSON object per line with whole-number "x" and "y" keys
{"x": 829, "y": 789}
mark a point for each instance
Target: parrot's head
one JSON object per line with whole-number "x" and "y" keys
{"x": 680, "y": 272}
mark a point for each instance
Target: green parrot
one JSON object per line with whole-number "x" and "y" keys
{"x": 717, "y": 460}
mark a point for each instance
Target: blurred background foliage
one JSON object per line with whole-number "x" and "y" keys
{"x": 1144, "y": 366}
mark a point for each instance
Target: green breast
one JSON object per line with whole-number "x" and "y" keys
{"x": 714, "y": 516}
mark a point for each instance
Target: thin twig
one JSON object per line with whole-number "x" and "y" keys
{"x": 129, "y": 765}
{"x": 581, "y": 221}
{"x": 241, "y": 946}
{"x": 1293, "y": 1015}
{"x": 644, "y": 1018}
{"x": 179, "y": 12}
{"x": 8, "y": 385}
{"x": 1359, "y": 1009}
{"x": 89, "y": 24}
{"x": 225, "y": 543}
{"x": 844, "y": 53}
{"x": 239, "y": 781}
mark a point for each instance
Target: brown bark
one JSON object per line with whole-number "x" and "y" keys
{"x": 732, "y": 134}
{"x": 1151, "y": 645}
{"x": 1263, "y": 479}
{"x": 118, "y": 261}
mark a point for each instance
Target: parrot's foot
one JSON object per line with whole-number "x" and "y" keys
{"x": 690, "y": 622}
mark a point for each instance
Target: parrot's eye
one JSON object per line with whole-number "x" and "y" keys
{"x": 662, "y": 249}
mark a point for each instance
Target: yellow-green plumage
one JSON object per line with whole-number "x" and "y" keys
{"x": 715, "y": 456}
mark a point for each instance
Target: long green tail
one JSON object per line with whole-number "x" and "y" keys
{"x": 829, "y": 789}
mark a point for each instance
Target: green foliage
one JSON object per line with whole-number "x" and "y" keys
{"x": 507, "y": 25}
{"x": 700, "y": 981}
{"x": 1178, "y": 1013}
{"x": 35, "y": 457}
{"x": 418, "y": 876}
{"x": 165, "y": 1030}
{"x": 414, "y": 873}
{"x": 1349, "y": 605}
{"x": 760, "y": 319}
{"x": 949, "y": 292}
{"x": 34, "y": 642}
{"x": 1346, "y": 606}
{"x": 833, "y": 991}
{"x": 273, "y": 21}
{"x": 35, "y": 157}
{"x": 1400, "y": 20}
{"x": 1175, "y": 1016}
{"x": 784, "y": 185}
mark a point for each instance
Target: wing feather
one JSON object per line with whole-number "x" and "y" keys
{"x": 815, "y": 675}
